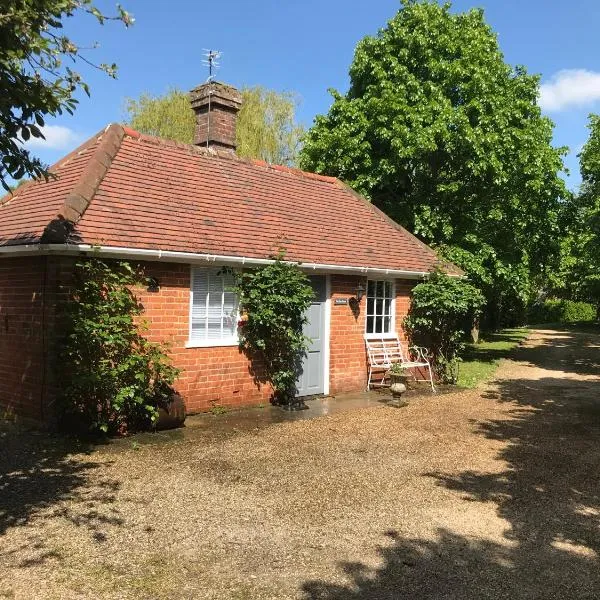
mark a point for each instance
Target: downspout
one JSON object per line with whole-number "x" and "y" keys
{"x": 44, "y": 340}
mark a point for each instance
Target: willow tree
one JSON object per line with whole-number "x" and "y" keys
{"x": 266, "y": 129}
{"x": 448, "y": 139}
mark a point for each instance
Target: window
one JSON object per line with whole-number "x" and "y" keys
{"x": 214, "y": 308}
{"x": 380, "y": 308}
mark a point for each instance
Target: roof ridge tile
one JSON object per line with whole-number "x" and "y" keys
{"x": 83, "y": 192}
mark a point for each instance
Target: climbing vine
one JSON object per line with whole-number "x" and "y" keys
{"x": 111, "y": 378}
{"x": 273, "y": 301}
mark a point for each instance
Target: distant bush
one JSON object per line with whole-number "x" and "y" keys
{"x": 555, "y": 310}
{"x": 576, "y": 312}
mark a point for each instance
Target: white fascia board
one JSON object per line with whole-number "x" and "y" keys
{"x": 196, "y": 259}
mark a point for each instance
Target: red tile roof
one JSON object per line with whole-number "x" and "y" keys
{"x": 125, "y": 189}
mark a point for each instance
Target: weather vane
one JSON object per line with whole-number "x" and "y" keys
{"x": 212, "y": 62}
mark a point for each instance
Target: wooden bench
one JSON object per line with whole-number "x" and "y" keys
{"x": 382, "y": 353}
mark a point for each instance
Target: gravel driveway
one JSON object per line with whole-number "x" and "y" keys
{"x": 490, "y": 493}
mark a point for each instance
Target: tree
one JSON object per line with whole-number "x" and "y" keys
{"x": 580, "y": 276}
{"x": 168, "y": 116}
{"x": 266, "y": 124}
{"x": 36, "y": 79}
{"x": 267, "y": 128}
{"x": 438, "y": 131}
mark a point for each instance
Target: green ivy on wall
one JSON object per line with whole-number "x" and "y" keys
{"x": 110, "y": 377}
{"x": 274, "y": 300}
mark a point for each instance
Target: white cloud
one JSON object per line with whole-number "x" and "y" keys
{"x": 570, "y": 87}
{"x": 57, "y": 138}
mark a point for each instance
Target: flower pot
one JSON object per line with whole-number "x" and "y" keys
{"x": 172, "y": 414}
{"x": 398, "y": 387}
{"x": 397, "y": 384}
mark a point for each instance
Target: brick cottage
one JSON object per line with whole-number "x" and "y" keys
{"x": 184, "y": 211}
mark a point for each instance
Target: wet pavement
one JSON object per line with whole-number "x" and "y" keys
{"x": 210, "y": 426}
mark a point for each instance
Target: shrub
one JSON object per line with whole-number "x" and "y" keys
{"x": 274, "y": 300}
{"x": 439, "y": 309}
{"x": 578, "y": 312}
{"x": 555, "y": 310}
{"x": 111, "y": 377}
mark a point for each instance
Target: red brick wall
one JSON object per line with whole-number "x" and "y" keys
{"x": 21, "y": 336}
{"x": 217, "y": 376}
{"x": 221, "y": 376}
{"x": 403, "y": 291}
{"x": 348, "y": 358}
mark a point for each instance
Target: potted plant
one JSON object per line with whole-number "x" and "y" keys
{"x": 398, "y": 377}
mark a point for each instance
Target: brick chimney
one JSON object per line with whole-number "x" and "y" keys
{"x": 216, "y": 106}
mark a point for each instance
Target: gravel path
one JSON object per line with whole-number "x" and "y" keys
{"x": 490, "y": 493}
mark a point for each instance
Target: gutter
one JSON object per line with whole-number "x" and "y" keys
{"x": 195, "y": 258}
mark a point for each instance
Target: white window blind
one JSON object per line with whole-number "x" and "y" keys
{"x": 379, "y": 307}
{"x": 214, "y": 307}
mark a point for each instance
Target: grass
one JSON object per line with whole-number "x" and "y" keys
{"x": 481, "y": 360}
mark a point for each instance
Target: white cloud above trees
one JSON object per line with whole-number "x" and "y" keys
{"x": 570, "y": 88}
{"x": 57, "y": 138}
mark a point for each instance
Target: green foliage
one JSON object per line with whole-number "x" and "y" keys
{"x": 34, "y": 79}
{"x": 441, "y": 309}
{"x": 111, "y": 377}
{"x": 274, "y": 300}
{"x": 397, "y": 369}
{"x": 169, "y": 116}
{"x": 555, "y": 310}
{"x": 577, "y": 312}
{"x": 579, "y": 275}
{"x": 444, "y": 136}
{"x": 266, "y": 127}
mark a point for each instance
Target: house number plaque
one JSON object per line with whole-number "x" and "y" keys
{"x": 339, "y": 301}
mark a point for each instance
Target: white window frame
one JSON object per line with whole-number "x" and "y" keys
{"x": 392, "y": 333}
{"x": 192, "y": 343}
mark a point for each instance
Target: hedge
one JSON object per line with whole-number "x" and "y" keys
{"x": 555, "y": 310}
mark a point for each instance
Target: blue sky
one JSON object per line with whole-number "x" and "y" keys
{"x": 307, "y": 46}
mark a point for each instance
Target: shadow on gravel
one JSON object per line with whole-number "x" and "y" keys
{"x": 574, "y": 352}
{"x": 549, "y": 494}
{"x": 40, "y": 480}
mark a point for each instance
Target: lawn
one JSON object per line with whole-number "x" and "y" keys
{"x": 481, "y": 360}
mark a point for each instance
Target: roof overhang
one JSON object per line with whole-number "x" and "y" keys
{"x": 149, "y": 254}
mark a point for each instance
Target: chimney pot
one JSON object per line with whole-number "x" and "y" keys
{"x": 216, "y": 106}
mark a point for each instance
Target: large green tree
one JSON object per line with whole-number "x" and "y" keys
{"x": 266, "y": 127}
{"x": 38, "y": 76}
{"x": 448, "y": 139}
{"x": 579, "y": 278}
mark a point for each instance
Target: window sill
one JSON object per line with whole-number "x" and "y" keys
{"x": 211, "y": 343}
{"x": 381, "y": 336}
